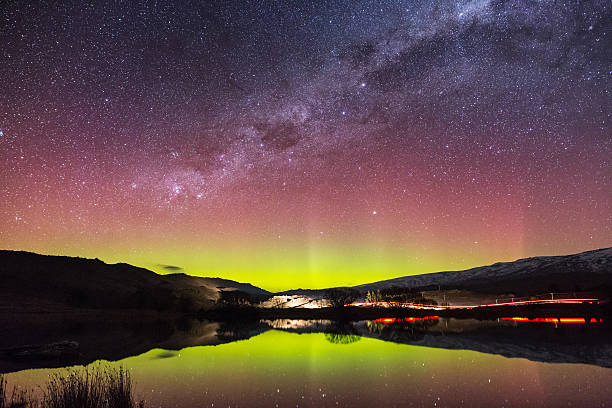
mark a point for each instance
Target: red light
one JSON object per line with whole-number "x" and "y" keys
{"x": 572, "y": 320}
{"x": 406, "y": 319}
{"x": 551, "y": 319}
{"x": 384, "y": 320}
{"x": 546, "y": 320}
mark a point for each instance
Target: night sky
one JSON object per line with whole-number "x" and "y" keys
{"x": 306, "y": 144}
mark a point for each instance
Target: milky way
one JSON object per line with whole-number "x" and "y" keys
{"x": 306, "y": 143}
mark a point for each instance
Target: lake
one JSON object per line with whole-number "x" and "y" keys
{"x": 385, "y": 363}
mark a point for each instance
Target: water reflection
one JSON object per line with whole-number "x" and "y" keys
{"x": 420, "y": 362}
{"x": 547, "y": 339}
{"x": 563, "y": 320}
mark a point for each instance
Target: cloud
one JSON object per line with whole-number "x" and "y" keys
{"x": 170, "y": 267}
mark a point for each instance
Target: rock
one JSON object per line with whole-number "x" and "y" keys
{"x": 58, "y": 350}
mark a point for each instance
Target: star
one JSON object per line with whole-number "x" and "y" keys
{"x": 234, "y": 123}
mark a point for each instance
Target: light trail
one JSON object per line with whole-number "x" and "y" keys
{"x": 454, "y": 307}
{"x": 405, "y": 319}
{"x": 564, "y": 320}
{"x": 553, "y": 319}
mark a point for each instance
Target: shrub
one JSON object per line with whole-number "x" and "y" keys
{"x": 100, "y": 387}
{"x": 18, "y": 399}
{"x": 338, "y": 297}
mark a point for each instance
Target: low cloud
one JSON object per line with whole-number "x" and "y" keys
{"x": 170, "y": 267}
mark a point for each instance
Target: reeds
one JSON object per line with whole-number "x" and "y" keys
{"x": 18, "y": 399}
{"x": 97, "y": 387}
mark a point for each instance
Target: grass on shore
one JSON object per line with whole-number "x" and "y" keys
{"x": 99, "y": 387}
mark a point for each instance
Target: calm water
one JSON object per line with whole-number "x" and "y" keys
{"x": 322, "y": 364}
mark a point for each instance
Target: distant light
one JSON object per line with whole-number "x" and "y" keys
{"x": 374, "y": 212}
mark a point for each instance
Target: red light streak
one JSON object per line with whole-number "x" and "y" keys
{"x": 564, "y": 320}
{"x": 384, "y": 320}
{"x": 440, "y": 307}
{"x": 406, "y": 319}
{"x": 552, "y": 319}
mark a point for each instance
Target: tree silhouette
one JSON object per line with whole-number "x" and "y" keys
{"x": 338, "y": 338}
{"x": 338, "y": 297}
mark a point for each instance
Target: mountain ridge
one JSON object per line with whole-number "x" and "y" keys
{"x": 27, "y": 277}
{"x": 595, "y": 265}
{"x": 91, "y": 283}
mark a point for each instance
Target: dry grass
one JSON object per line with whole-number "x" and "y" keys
{"x": 99, "y": 387}
{"x": 18, "y": 398}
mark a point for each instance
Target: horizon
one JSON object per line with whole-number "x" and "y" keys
{"x": 169, "y": 271}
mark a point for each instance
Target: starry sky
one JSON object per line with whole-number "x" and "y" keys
{"x": 306, "y": 143}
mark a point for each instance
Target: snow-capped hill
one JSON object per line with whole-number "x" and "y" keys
{"x": 591, "y": 270}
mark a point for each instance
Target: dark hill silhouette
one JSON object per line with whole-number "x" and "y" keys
{"x": 29, "y": 280}
{"x": 42, "y": 283}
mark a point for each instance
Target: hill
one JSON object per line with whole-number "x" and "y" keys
{"x": 586, "y": 271}
{"x": 43, "y": 282}
{"x": 40, "y": 283}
